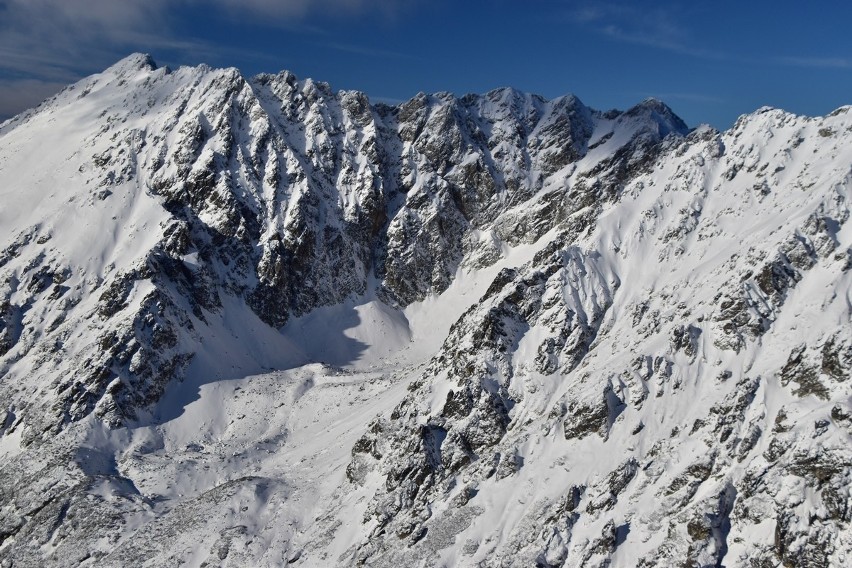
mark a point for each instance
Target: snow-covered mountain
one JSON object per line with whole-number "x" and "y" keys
{"x": 257, "y": 322}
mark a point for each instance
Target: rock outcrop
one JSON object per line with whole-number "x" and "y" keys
{"x": 646, "y": 359}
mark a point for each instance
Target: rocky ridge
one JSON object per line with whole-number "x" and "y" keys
{"x": 654, "y": 370}
{"x": 706, "y": 387}
{"x": 277, "y": 193}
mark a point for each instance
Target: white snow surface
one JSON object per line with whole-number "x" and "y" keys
{"x": 244, "y": 461}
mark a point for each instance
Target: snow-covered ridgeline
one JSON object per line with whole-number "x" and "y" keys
{"x": 557, "y": 336}
{"x": 188, "y": 209}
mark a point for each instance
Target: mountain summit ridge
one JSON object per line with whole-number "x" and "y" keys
{"x": 483, "y": 330}
{"x": 265, "y": 181}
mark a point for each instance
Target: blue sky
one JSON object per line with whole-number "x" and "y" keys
{"x": 710, "y": 61}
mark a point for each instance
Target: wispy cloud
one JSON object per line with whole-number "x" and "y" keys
{"x": 45, "y": 44}
{"x": 817, "y": 62}
{"x": 659, "y": 41}
{"x": 661, "y": 27}
{"x": 289, "y": 10}
{"x": 665, "y": 27}
{"x": 54, "y": 39}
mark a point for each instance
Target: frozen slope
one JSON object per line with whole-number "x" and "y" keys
{"x": 162, "y": 225}
{"x": 667, "y": 386}
{"x": 257, "y": 322}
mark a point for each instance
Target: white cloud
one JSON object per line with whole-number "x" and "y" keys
{"x": 289, "y": 9}
{"x": 665, "y": 26}
{"x": 660, "y": 27}
{"x": 45, "y": 44}
{"x": 54, "y": 39}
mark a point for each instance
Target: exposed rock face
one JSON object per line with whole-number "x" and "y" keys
{"x": 280, "y": 193}
{"x": 655, "y": 371}
{"x": 700, "y": 454}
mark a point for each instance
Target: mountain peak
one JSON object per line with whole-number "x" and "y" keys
{"x": 256, "y": 323}
{"x": 660, "y": 113}
{"x": 133, "y": 62}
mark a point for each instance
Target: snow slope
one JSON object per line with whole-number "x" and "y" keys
{"x": 257, "y": 322}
